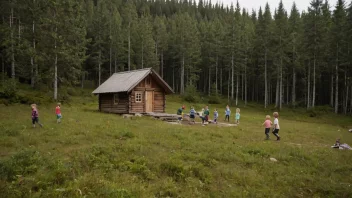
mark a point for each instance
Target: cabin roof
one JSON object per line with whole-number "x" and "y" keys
{"x": 126, "y": 81}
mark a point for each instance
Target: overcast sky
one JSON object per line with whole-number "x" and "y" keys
{"x": 255, "y": 4}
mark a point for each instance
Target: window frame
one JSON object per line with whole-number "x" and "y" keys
{"x": 140, "y": 98}
{"x": 116, "y": 96}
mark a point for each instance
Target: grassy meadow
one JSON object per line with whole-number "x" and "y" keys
{"x": 93, "y": 154}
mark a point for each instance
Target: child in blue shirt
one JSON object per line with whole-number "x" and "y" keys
{"x": 192, "y": 115}
{"x": 227, "y": 113}
{"x": 216, "y": 115}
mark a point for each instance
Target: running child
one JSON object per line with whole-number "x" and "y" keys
{"x": 180, "y": 113}
{"x": 238, "y": 115}
{"x": 58, "y": 113}
{"x": 267, "y": 124}
{"x": 35, "y": 115}
{"x": 276, "y": 125}
{"x": 216, "y": 115}
{"x": 192, "y": 115}
{"x": 227, "y": 113}
{"x": 206, "y": 115}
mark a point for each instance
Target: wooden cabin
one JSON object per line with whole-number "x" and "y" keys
{"x": 137, "y": 91}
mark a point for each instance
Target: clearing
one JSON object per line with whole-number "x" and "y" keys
{"x": 95, "y": 154}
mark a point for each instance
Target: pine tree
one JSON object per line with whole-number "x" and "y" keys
{"x": 145, "y": 50}
{"x": 295, "y": 36}
{"x": 161, "y": 41}
{"x": 280, "y": 40}
{"x": 129, "y": 24}
{"x": 339, "y": 44}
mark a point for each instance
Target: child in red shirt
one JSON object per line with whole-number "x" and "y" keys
{"x": 58, "y": 113}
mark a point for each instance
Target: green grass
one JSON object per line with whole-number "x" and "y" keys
{"x": 95, "y": 154}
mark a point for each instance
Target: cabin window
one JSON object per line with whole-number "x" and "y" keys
{"x": 138, "y": 97}
{"x": 116, "y": 99}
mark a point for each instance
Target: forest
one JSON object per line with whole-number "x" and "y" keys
{"x": 286, "y": 58}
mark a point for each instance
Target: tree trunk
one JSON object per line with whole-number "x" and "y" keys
{"x": 245, "y": 82}
{"x": 294, "y": 87}
{"x": 13, "y": 74}
{"x": 277, "y": 92}
{"x": 110, "y": 50}
{"x": 143, "y": 55}
{"x": 337, "y": 81}
{"x": 162, "y": 65}
{"x": 99, "y": 68}
{"x": 347, "y": 84}
{"x": 308, "y": 91}
{"x": 281, "y": 85}
{"x": 221, "y": 81}
{"x": 182, "y": 84}
{"x": 115, "y": 63}
{"x": 313, "y": 97}
{"x": 265, "y": 80}
{"x": 3, "y": 70}
{"x": 232, "y": 77}
{"x": 228, "y": 88}
{"x": 129, "y": 46}
{"x": 209, "y": 82}
{"x": 173, "y": 78}
{"x": 55, "y": 63}
{"x": 351, "y": 100}
{"x": 237, "y": 81}
{"x": 216, "y": 75}
{"x": 32, "y": 57}
{"x": 332, "y": 90}
{"x": 242, "y": 86}
{"x": 287, "y": 90}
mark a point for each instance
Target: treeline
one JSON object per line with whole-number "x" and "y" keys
{"x": 283, "y": 58}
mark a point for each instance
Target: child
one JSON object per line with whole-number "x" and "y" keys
{"x": 216, "y": 115}
{"x": 192, "y": 115}
{"x": 238, "y": 115}
{"x": 276, "y": 125}
{"x": 35, "y": 115}
{"x": 206, "y": 115}
{"x": 180, "y": 113}
{"x": 337, "y": 143}
{"x": 267, "y": 124}
{"x": 58, "y": 113}
{"x": 227, "y": 113}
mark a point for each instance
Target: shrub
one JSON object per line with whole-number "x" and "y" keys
{"x": 23, "y": 163}
{"x": 10, "y": 88}
{"x": 191, "y": 94}
{"x": 72, "y": 92}
{"x": 176, "y": 171}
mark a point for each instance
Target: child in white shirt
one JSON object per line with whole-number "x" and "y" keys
{"x": 276, "y": 125}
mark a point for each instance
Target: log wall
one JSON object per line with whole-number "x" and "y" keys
{"x": 106, "y": 103}
{"x": 142, "y": 87}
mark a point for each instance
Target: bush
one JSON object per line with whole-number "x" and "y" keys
{"x": 10, "y": 88}
{"x": 191, "y": 94}
{"x": 214, "y": 100}
{"x": 23, "y": 163}
{"x": 72, "y": 92}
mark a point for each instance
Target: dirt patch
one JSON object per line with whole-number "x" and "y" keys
{"x": 185, "y": 122}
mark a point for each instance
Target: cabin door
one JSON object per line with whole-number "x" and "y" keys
{"x": 149, "y": 101}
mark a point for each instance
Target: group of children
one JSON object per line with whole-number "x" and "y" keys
{"x": 204, "y": 115}
{"x": 35, "y": 114}
{"x": 267, "y": 124}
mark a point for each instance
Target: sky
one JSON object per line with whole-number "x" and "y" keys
{"x": 255, "y": 4}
